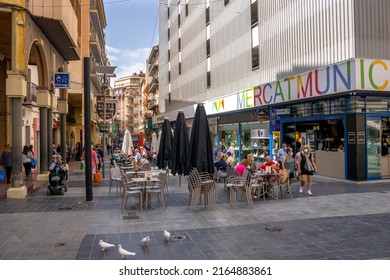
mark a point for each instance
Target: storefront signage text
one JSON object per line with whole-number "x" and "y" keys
{"x": 329, "y": 80}
{"x": 237, "y": 101}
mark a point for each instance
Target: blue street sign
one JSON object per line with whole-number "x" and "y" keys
{"x": 61, "y": 80}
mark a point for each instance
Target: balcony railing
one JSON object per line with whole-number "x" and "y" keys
{"x": 97, "y": 45}
{"x": 153, "y": 85}
{"x": 153, "y": 104}
{"x": 60, "y": 22}
{"x": 153, "y": 69}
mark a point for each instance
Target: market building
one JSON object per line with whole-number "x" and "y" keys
{"x": 272, "y": 72}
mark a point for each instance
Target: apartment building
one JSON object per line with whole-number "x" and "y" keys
{"x": 93, "y": 45}
{"x": 272, "y": 71}
{"x": 128, "y": 92}
{"x": 37, "y": 39}
{"x": 150, "y": 93}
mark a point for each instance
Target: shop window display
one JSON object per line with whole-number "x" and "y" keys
{"x": 229, "y": 134}
{"x": 255, "y": 140}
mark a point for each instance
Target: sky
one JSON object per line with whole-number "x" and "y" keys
{"x": 131, "y": 32}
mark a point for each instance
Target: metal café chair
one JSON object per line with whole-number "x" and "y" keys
{"x": 157, "y": 189}
{"x": 283, "y": 180}
{"x": 201, "y": 184}
{"x": 240, "y": 185}
{"x": 115, "y": 176}
{"x": 131, "y": 188}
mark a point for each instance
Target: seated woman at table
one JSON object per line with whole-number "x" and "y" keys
{"x": 242, "y": 166}
{"x": 252, "y": 163}
{"x": 274, "y": 165}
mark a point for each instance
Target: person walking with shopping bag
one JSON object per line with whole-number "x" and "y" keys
{"x": 94, "y": 161}
{"x": 306, "y": 168}
{"x": 27, "y": 156}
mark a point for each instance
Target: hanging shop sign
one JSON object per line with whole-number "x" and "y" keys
{"x": 109, "y": 106}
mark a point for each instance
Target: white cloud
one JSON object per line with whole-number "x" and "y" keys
{"x": 128, "y": 61}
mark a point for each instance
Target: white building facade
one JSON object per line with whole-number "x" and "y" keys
{"x": 231, "y": 51}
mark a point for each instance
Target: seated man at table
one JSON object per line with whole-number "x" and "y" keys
{"x": 274, "y": 166}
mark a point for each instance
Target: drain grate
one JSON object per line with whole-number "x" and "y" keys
{"x": 273, "y": 229}
{"x": 178, "y": 237}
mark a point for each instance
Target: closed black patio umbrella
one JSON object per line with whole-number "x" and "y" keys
{"x": 200, "y": 152}
{"x": 164, "y": 156}
{"x": 180, "y": 145}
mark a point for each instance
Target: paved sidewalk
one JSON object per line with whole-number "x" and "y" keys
{"x": 342, "y": 220}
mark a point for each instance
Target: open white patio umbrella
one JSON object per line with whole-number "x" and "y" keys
{"x": 158, "y": 140}
{"x": 127, "y": 145}
{"x": 154, "y": 143}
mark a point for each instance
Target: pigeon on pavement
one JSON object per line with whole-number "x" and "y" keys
{"x": 124, "y": 252}
{"x": 145, "y": 241}
{"x": 105, "y": 245}
{"x": 167, "y": 235}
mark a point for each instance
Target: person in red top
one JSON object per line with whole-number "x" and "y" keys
{"x": 274, "y": 167}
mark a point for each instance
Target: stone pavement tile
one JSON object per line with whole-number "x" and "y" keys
{"x": 341, "y": 224}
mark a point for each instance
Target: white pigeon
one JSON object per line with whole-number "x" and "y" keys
{"x": 145, "y": 241}
{"x": 167, "y": 235}
{"x": 105, "y": 245}
{"x": 124, "y": 252}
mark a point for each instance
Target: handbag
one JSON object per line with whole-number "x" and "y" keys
{"x": 308, "y": 165}
{"x": 2, "y": 175}
{"x": 81, "y": 165}
{"x": 33, "y": 163}
{"x": 97, "y": 178}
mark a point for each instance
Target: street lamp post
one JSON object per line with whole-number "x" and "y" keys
{"x": 106, "y": 71}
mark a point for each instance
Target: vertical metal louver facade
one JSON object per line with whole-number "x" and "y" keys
{"x": 294, "y": 36}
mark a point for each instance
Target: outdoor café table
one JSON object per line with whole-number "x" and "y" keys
{"x": 265, "y": 176}
{"x": 127, "y": 168}
{"x": 134, "y": 174}
{"x": 143, "y": 186}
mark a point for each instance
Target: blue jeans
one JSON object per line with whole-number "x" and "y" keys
{"x": 27, "y": 168}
